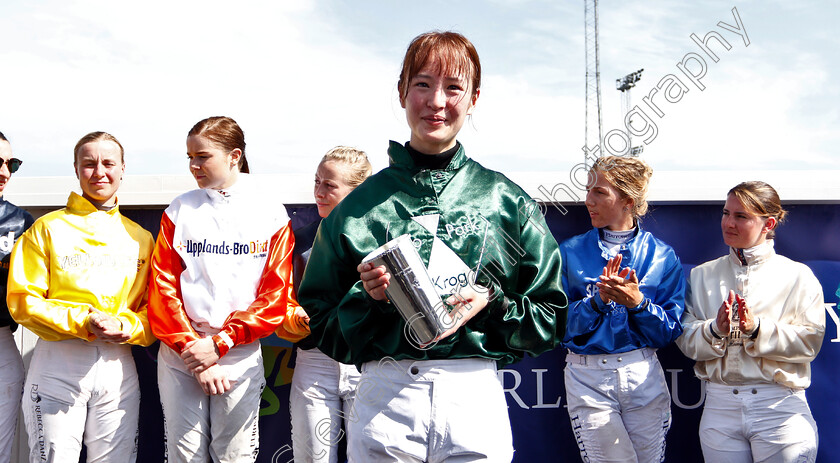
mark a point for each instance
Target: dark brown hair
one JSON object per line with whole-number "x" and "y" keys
{"x": 761, "y": 199}
{"x": 224, "y": 132}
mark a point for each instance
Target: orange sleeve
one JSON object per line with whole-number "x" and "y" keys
{"x": 166, "y": 308}
{"x": 275, "y": 309}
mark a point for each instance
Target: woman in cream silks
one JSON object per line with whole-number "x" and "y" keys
{"x": 754, "y": 321}
{"x": 626, "y": 292}
{"x": 78, "y": 280}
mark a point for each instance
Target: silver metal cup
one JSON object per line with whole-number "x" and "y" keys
{"x": 411, "y": 289}
{"x": 735, "y": 336}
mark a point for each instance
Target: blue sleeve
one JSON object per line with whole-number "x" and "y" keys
{"x": 657, "y": 319}
{"x": 586, "y": 313}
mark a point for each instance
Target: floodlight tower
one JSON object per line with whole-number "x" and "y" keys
{"x": 624, "y": 85}
{"x": 592, "y": 127}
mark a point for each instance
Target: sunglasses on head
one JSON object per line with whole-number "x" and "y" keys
{"x": 13, "y": 163}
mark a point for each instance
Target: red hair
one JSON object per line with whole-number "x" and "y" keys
{"x": 451, "y": 52}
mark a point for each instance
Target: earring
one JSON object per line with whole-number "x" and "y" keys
{"x": 625, "y": 209}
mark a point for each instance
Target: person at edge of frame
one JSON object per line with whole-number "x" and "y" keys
{"x": 14, "y": 221}
{"x": 754, "y": 322}
{"x": 497, "y": 266}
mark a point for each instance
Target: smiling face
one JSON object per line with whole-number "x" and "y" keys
{"x": 436, "y": 106}
{"x": 608, "y": 208}
{"x": 211, "y": 166}
{"x": 99, "y": 168}
{"x": 330, "y": 186}
{"x": 5, "y": 155}
{"x": 741, "y": 228}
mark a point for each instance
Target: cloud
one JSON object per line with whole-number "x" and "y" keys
{"x": 146, "y": 74}
{"x": 303, "y": 76}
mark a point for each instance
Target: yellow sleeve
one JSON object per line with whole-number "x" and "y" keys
{"x": 27, "y": 292}
{"x": 133, "y": 315}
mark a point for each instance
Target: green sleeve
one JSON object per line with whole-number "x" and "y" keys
{"x": 326, "y": 271}
{"x": 527, "y": 313}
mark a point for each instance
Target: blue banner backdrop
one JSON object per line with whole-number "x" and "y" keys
{"x": 534, "y": 386}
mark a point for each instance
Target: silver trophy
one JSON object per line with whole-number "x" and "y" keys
{"x": 411, "y": 289}
{"x": 735, "y": 336}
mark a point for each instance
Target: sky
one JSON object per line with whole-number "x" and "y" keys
{"x": 303, "y": 76}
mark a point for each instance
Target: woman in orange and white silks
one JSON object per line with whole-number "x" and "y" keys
{"x": 323, "y": 389}
{"x": 754, "y": 321}
{"x": 221, "y": 280}
{"x": 78, "y": 280}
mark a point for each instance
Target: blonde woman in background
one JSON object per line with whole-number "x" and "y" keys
{"x": 626, "y": 290}
{"x": 756, "y": 371}
{"x": 322, "y": 388}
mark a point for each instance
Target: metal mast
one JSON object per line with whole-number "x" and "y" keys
{"x": 592, "y": 129}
